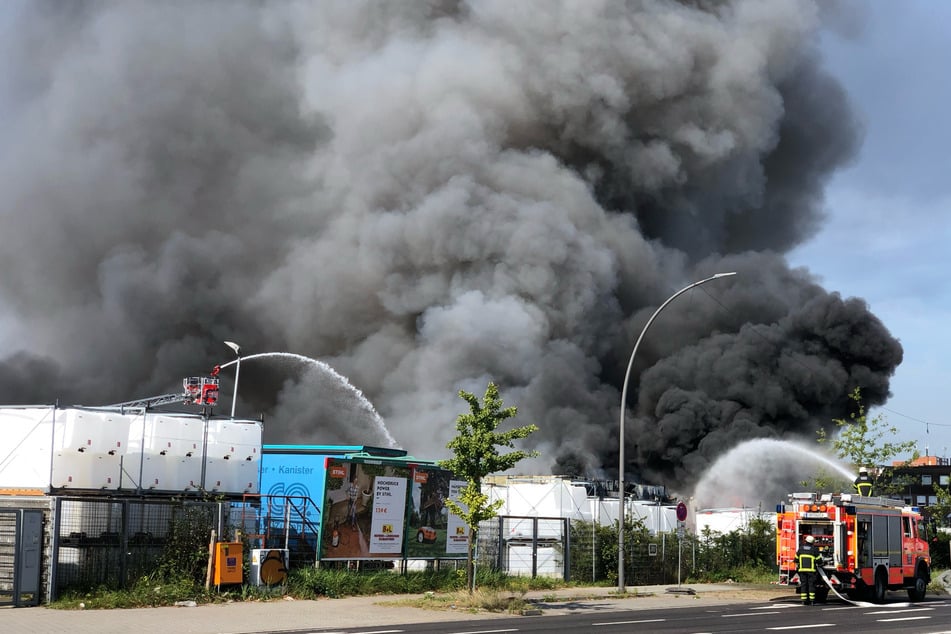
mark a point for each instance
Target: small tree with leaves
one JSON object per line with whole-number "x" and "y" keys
{"x": 476, "y": 455}
{"x": 940, "y": 511}
{"x": 865, "y": 441}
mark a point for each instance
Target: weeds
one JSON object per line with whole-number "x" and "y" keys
{"x": 145, "y": 592}
{"x": 496, "y": 592}
{"x": 482, "y": 600}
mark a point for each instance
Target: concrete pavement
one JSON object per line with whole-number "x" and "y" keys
{"x": 327, "y": 614}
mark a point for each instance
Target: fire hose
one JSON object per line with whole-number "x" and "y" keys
{"x": 825, "y": 577}
{"x": 861, "y": 604}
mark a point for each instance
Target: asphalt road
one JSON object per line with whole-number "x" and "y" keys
{"x": 929, "y": 617}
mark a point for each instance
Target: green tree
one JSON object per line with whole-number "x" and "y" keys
{"x": 476, "y": 455}
{"x": 866, "y": 441}
{"x": 939, "y": 512}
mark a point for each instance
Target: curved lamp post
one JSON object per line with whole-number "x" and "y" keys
{"x": 620, "y": 533}
{"x": 237, "y": 371}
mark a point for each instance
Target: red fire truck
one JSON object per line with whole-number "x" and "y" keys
{"x": 869, "y": 545}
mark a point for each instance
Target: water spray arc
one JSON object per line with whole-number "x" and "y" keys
{"x": 759, "y": 470}
{"x": 627, "y": 376}
{"x": 326, "y": 369}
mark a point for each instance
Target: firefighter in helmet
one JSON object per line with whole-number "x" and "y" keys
{"x": 863, "y": 483}
{"x": 807, "y": 558}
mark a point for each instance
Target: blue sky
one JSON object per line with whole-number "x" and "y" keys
{"x": 889, "y": 227}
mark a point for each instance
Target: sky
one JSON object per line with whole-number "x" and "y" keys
{"x": 886, "y": 237}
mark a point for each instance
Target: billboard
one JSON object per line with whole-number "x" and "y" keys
{"x": 295, "y": 477}
{"x": 389, "y": 509}
{"x": 432, "y": 530}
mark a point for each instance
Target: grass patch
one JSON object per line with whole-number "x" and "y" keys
{"x": 482, "y": 600}
{"x": 144, "y": 593}
{"x": 739, "y": 574}
{"x": 495, "y": 592}
{"x": 936, "y": 588}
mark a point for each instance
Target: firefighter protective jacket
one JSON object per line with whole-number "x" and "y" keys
{"x": 806, "y": 558}
{"x": 863, "y": 484}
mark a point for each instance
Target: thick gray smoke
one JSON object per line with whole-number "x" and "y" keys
{"x": 428, "y": 196}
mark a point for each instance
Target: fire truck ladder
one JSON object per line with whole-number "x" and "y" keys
{"x": 146, "y": 403}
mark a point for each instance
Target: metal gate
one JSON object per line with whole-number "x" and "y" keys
{"x": 21, "y": 550}
{"x": 524, "y": 545}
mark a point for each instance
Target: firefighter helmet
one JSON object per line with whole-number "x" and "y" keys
{"x": 810, "y": 539}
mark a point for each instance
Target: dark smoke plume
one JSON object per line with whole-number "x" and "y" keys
{"x": 428, "y": 196}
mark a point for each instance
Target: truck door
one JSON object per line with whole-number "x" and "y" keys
{"x": 879, "y": 539}
{"x": 864, "y": 550}
{"x": 840, "y": 547}
{"x": 895, "y": 541}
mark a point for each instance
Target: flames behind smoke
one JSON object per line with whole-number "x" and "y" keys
{"x": 428, "y": 196}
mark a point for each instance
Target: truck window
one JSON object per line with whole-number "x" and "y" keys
{"x": 906, "y": 526}
{"x": 864, "y": 543}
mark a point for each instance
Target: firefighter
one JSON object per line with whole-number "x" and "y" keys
{"x": 863, "y": 483}
{"x": 807, "y": 557}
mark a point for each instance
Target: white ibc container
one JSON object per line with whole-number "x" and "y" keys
{"x": 233, "y": 456}
{"x": 171, "y": 450}
{"x": 88, "y": 449}
{"x": 25, "y": 441}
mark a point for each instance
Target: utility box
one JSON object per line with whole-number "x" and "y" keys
{"x": 269, "y": 566}
{"x": 228, "y": 563}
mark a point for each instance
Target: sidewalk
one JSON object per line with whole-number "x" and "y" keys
{"x": 322, "y": 614}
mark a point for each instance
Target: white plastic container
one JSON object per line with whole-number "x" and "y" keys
{"x": 45, "y": 449}
{"x": 88, "y": 449}
{"x": 171, "y": 451}
{"x": 25, "y": 442}
{"x": 233, "y": 456}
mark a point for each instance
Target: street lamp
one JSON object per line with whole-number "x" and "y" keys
{"x": 237, "y": 372}
{"x": 620, "y": 533}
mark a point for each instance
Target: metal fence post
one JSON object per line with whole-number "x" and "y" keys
{"x": 124, "y": 544}
{"x": 51, "y": 590}
{"x": 566, "y": 548}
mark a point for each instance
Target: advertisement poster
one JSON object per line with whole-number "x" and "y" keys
{"x": 386, "y": 524}
{"x": 364, "y": 506}
{"x": 298, "y": 480}
{"x": 457, "y": 541}
{"x": 430, "y": 525}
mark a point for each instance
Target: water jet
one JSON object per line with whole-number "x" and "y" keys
{"x": 361, "y": 400}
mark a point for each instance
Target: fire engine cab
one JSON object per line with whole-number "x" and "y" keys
{"x": 868, "y": 545}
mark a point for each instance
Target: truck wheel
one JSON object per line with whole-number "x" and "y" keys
{"x": 881, "y": 586}
{"x": 917, "y": 591}
{"x": 420, "y": 537}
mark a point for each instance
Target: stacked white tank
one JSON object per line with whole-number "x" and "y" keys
{"x": 77, "y": 449}
{"x": 170, "y": 449}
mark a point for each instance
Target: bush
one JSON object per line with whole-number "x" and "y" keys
{"x": 939, "y": 546}
{"x": 336, "y": 583}
{"x": 146, "y": 592}
{"x": 307, "y": 583}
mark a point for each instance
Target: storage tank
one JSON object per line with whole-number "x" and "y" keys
{"x": 88, "y": 449}
{"x": 47, "y": 449}
{"x": 170, "y": 448}
{"x": 233, "y": 456}
{"x": 25, "y": 449}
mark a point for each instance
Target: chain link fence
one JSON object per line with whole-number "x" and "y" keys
{"x": 592, "y": 551}
{"x": 112, "y": 542}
